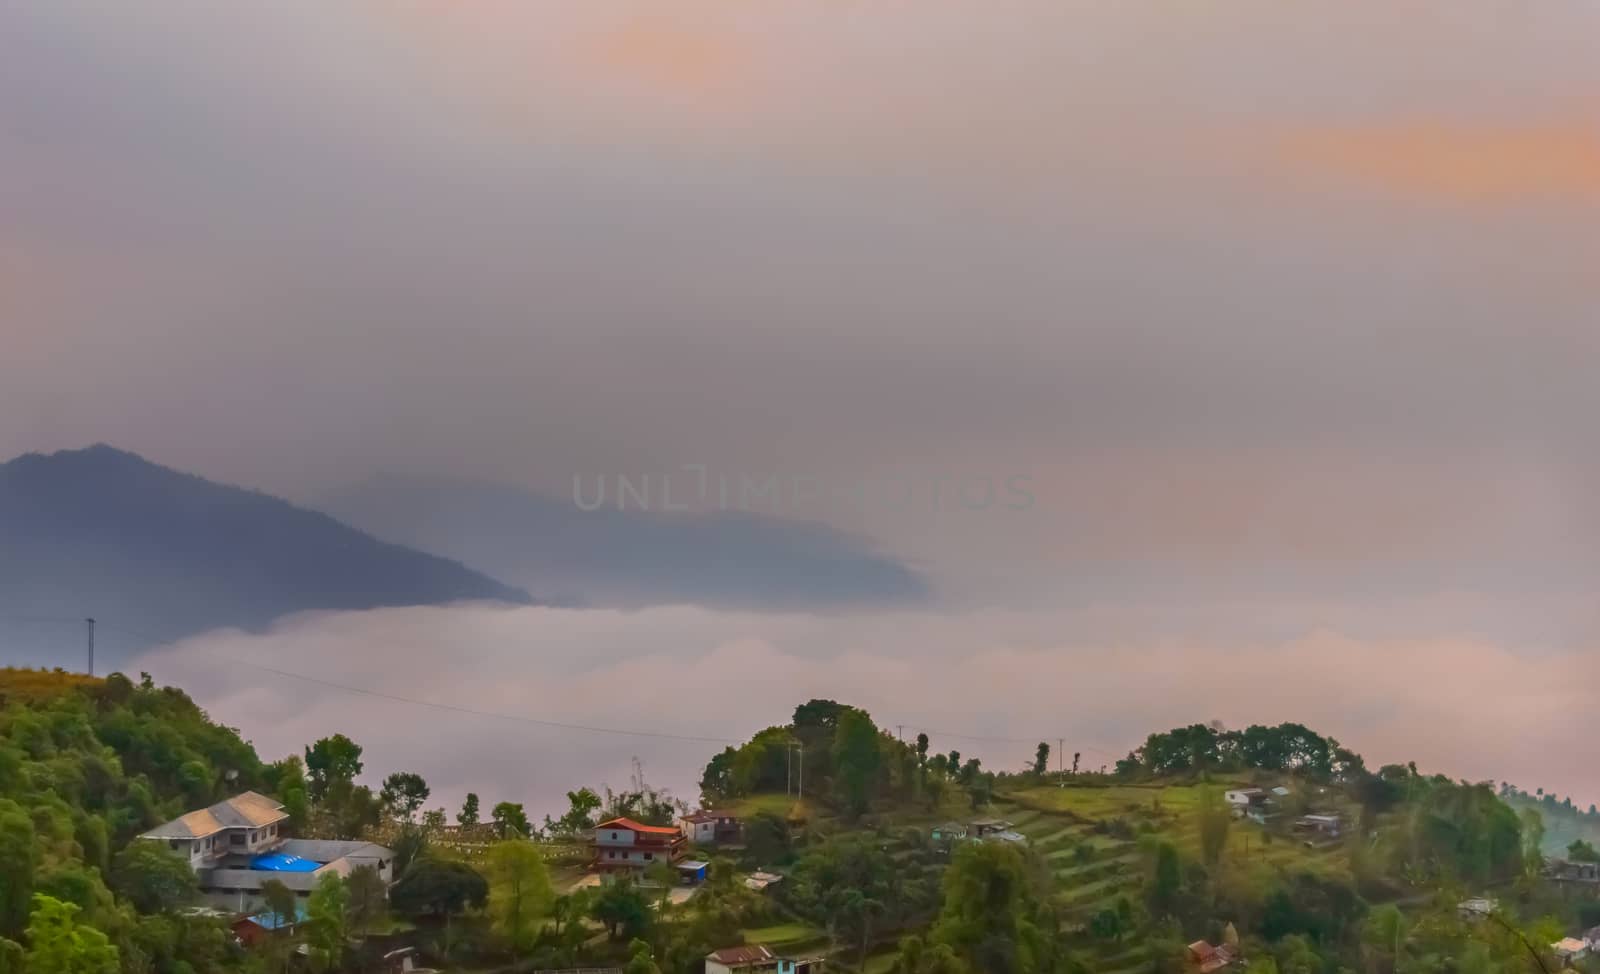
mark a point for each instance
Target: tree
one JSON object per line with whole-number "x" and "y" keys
{"x": 332, "y": 759}
{"x": 1168, "y": 884}
{"x": 1381, "y": 936}
{"x": 1107, "y": 925}
{"x": 519, "y": 891}
{"x": 369, "y": 900}
{"x": 640, "y": 960}
{"x": 1215, "y": 819}
{"x": 152, "y": 878}
{"x": 59, "y": 944}
{"x": 403, "y": 793}
{"x": 1041, "y": 759}
{"x": 290, "y": 787}
{"x": 623, "y": 908}
{"x": 439, "y": 887}
{"x": 579, "y": 817}
{"x": 856, "y": 758}
{"x": 664, "y": 876}
{"x": 18, "y": 860}
{"x": 1532, "y": 839}
{"x": 1581, "y": 851}
{"x": 281, "y": 902}
{"x": 986, "y": 920}
{"x": 327, "y": 931}
{"x": 468, "y": 816}
{"x": 511, "y": 821}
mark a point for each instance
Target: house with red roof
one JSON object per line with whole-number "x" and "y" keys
{"x": 623, "y": 844}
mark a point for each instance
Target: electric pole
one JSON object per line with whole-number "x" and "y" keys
{"x": 802, "y": 778}
{"x": 91, "y": 645}
{"x": 1061, "y": 758}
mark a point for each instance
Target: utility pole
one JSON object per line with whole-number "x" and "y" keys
{"x": 1061, "y": 759}
{"x": 91, "y": 645}
{"x": 802, "y": 778}
{"x": 788, "y": 770}
{"x": 900, "y": 733}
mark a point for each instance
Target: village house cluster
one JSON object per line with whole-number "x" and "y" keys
{"x": 237, "y": 845}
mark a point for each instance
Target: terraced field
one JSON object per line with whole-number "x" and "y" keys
{"x": 1090, "y": 838}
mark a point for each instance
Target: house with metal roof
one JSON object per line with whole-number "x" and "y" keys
{"x": 710, "y": 827}
{"x": 245, "y": 824}
{"x": 237, "y": 845}
{"x": 759, "y": 959}
{"x": 623, "y": 844}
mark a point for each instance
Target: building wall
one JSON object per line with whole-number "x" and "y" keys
{"x": 615, "y": 838}
{"x": 640, "y": 858}
{"x": 700, "y": 831}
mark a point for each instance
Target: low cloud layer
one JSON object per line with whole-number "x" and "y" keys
{"x": 1461, "y": 707}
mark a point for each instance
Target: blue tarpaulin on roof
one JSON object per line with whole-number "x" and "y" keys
{"x": 277, "y": 862}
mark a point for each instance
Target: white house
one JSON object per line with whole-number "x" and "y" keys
{"x": 1244, "y": 797}
{"x": 245, "y": 824}
{"x": 709, "y": 827}
{"x": 237, "y": 845}
{"x": 623, "y": 844}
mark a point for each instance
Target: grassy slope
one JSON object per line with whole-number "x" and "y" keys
{"x": 1058, "y": 820}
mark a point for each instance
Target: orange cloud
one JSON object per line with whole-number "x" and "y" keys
{"x": 670, "y": 56}
{"x": 1555, "y": 160}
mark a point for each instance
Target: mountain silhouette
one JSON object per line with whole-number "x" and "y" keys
{"x": 156, "y": 554}
{"x": 632, "y": 558}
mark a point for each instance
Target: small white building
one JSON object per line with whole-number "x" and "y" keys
{"x": 1476, "y": 908}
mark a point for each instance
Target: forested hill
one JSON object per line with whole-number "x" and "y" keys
{"x": 1331, "y": 866}
{"x": 902, "y": 857}
{"x": 101, "y": 532}
{"x": 85, "y": 766}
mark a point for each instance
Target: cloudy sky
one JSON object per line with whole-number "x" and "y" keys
{"x": 1288, "y": 316}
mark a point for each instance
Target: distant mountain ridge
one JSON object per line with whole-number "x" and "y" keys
{"x": 631, "y": 559}
{"x": 101, "y": 531}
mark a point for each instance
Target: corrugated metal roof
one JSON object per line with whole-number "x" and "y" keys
{"x": 632, "y": 826}
{"x": 741, "y": 955}
{"x": 244, "y": 811}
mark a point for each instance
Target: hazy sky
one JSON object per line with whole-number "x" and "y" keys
{"x": 1288, "y": 313}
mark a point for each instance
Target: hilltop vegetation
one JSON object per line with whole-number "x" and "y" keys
{"x": 1120, "y": 871}
{"x": 1112, "y": 873}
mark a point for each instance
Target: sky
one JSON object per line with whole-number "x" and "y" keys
{"x": 1285, "y": 315}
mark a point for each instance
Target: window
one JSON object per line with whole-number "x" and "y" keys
{"x": 649, "y": 855}
{"x": 613, "y": 835}
{"x": 172, "y": 844}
